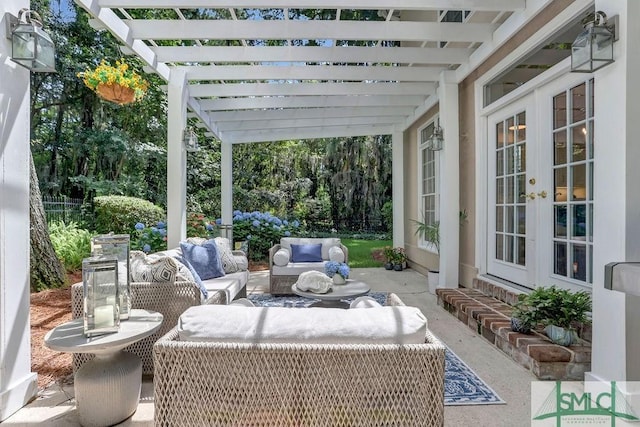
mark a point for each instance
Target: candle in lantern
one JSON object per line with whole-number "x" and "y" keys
{"x": 103, "y": 316}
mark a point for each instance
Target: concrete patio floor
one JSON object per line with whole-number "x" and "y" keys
{"x": 55, "y": 405}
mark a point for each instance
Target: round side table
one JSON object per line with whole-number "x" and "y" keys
{"x": 107, "y": 388}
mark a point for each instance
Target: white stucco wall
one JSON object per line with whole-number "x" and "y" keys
{"x": 617, "y": 209}
{"x": 17, "y": 382}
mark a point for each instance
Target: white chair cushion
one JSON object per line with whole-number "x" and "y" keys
{"x": 327, "y": 243}
{"x": 336, "y": 254}
{"x": 281, "y": 257}
{"x": 297, "y": 268}
{"x": 231, "y": 284}
{"x": 378, "y": 325}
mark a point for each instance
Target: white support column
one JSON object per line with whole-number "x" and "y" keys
{"x": 449, "y": 181}
{"x": 616, "y": 230}
{"x": 226, "y": 182}
{"x": 18, "y": 384}
{"x": 397, "y": 186}
{"x": 176, "y": 158}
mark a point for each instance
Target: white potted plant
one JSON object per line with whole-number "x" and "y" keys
{"x": 431, "y": 233}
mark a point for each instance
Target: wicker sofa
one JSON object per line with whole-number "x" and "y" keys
{"x": 283, "y": 274}
{"x": 171, "y": 299}
{"x": 298, "y": 384}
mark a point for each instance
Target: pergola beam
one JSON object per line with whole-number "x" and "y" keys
{"x": 476, "y": 5}
{"x": 309, "y": 113}
{"x": 342, "y": 54}
{"x": 225, "y": 29}
{"x": 306, "y": 133}
{"x": 297, "y": 89}
{"x": 253, "y": 103}
{"x": 312, "y": 72}
{"x": 281, "y": 124}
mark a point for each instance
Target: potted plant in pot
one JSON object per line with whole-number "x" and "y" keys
{"x": 399, "y": 258}
{"x": 389, "y": 257}
{"x": 559, "y": 310}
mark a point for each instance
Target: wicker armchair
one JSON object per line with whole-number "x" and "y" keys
{"x": 281, "y": 278}
{"x": 170, "y": 299}
{"x": 210, "y": 383}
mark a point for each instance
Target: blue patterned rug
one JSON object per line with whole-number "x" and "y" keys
{"x": 461, "y": 385}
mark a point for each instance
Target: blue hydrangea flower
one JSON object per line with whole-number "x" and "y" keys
{"x": 295, "y": 224}
{"x": 146, "y": 248}
{"x": 256, "y": 223}
{"x": 285, "y": 222}
{"x": 287, "y": 233}
{"x": 160, "y": 224}
{"x": 209, "y": 227}
{"x": 154, "y": 230}
{"x": 219, "y": 221}
{"x": 163, "y": 232}
{"x": 139, "y": 226}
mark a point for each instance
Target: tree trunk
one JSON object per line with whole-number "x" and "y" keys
{"x": 46, "y": 269}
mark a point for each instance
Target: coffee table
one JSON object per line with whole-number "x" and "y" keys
{"x": 333, "y": 298}
{"x": 107, "y": 388}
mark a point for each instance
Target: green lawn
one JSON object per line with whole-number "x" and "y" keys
{"x": 360, "y": 252}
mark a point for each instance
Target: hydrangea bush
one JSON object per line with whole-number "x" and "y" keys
{"x": 149, "y": 238}
{"x": 262, "y": 230}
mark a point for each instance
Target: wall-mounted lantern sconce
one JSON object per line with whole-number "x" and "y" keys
{"x": 593, "y": 48}
{"x": 436, "y": 139}
{"x": 31, "y": 46}
{"x": 190, "y": 140}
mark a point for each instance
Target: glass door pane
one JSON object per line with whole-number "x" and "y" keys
{"x": 572, "y": 138}
{"x": 510, "y": 197}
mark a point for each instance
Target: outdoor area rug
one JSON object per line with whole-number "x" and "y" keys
{"x": 461, "y": 385}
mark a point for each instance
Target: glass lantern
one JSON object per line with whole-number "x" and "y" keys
{"x": 100, "y": 295}
{"x": 593, "y": 48}
{"x": 117, "y": 245}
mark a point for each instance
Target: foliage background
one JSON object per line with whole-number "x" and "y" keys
{"x": 84, "y": 147}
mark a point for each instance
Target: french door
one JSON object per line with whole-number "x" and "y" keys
{"x": 540, "y": 186}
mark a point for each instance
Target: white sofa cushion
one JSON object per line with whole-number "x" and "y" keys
{"x": 327, "y": 243}
{"x": 231, "y": 284}
{"x": 295, "y": 268}
{"x": 281, "y": 257}
{"x": 379, "y": 325}
{"x": 336, "y": 254}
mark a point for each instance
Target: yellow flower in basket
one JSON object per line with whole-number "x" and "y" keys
{"x": 117, "y": 84}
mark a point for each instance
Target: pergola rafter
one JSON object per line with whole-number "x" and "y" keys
{"x": 236, "y": 62}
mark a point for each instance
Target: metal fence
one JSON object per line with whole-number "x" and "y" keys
{"x": 61, "y": 208}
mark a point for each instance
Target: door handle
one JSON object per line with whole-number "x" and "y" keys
{"x": 531, "y": 196}
{"x": 543, "y": 194}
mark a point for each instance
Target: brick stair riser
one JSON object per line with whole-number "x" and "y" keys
{"x": 490, "y": 318}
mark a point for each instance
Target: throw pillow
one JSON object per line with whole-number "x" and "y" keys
{"x": 306, "y": 253}
{"x": 336, "y": 254}
{"x": 281, "y": 257}
{"x": 194, "y": 275}
{"x": 229, "y": 264}
{"x": 204, "y": 259}
{"x": 152, "y": 269}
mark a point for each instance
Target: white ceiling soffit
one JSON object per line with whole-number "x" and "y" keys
{"x": 310, "y": 68}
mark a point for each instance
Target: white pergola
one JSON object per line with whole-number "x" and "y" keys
{"x": 248, "y": 79}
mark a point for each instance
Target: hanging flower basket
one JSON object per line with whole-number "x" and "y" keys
{"x": 118, "y": 84}
{"x": 116, "y": 93}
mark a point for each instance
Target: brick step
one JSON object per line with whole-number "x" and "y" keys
{"x": 490, "y": 317}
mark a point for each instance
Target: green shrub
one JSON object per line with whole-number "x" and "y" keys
{"x": 121, "y": 213}
{"x": 72, "y": 244}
